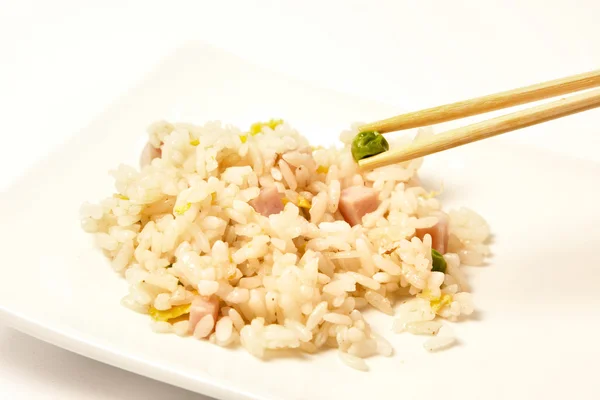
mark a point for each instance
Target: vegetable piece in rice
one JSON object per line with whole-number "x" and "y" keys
{"x": 438, "y": 263}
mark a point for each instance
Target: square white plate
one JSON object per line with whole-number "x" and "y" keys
{"x": 536, "y": 330}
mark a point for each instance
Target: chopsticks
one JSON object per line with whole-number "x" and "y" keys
{"x": 485, "y": 129}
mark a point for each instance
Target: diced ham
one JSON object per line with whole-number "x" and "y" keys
{"x": 438, "y": 232}
{"x": 201, "y": 307}
{"x": 356, "y": 201}
{"x": 148, "y": 154}
{"x": 268, "y": 202}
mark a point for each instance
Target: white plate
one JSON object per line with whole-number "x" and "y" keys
{"x": 535, "y": 333}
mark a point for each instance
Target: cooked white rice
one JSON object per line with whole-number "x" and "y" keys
{"x": 182, "y": 227}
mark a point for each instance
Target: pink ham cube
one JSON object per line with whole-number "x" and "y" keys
{"x": 438, "y": 232}
{"x": 268, "y": 202}
{"x": 356, "y": 201}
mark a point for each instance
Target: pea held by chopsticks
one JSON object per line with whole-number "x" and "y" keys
{"x": 367, "y": 144}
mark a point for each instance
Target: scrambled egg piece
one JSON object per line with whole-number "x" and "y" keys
{"x": 182, "y": 209}
{"x": 322, "y": 169}
{"x": 438, "y": 303}
{"x": 166, "y": 315}
{"x": 303, "y": 202}
{"x": 257, "y": 127}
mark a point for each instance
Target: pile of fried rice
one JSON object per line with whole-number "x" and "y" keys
{"x": 256, "y": 238}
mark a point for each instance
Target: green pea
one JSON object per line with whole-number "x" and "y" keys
{"x": 438, "y": 264}
{"x": 367, "y": 144}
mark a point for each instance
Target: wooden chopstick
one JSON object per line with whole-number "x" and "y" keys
{"x": 485, "y": 129}
{"x": 480, "y": 105}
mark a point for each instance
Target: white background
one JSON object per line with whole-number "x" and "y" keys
{"x": 62, "y": 62}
